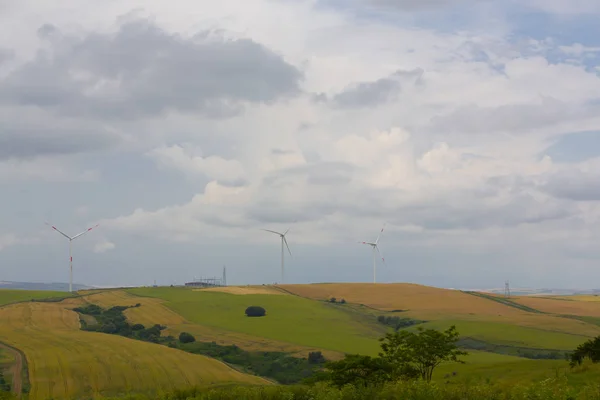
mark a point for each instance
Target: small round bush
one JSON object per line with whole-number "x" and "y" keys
{"x": 255, "y": 311}
{"x": 185, "y": 337}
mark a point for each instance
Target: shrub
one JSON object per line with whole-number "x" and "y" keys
{"x": 332, "y": 300}
{"x": 343, "y": 301}
{"x": 255, "y": 311}
{"x": 185, "y": 337}
{"x": 315, "y": 357}
{"x": 138, "y": 327}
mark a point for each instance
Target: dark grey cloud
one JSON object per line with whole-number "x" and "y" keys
{"x": 142, "y": 70}
{"x": 31, "y": 133}
{"x": 574, "y": 185}
{"x": 6, "y": 55}
{"x": 370, "y": 94}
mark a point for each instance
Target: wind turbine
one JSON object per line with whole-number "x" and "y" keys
{"x": 71, "y": 249}
{"x": 375, "y": 246}
{"x": 283, "y": 240}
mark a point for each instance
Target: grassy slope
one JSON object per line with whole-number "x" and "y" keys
{"x": 482, "y": 367}
{"x": 8, "y": 296}
{"x": 153, "y": 310}
{"x": 67, "y": 362}
{"x": 474, "y": 317}
{"x": 511, "y": 335}
{"x": 289, "y": 318}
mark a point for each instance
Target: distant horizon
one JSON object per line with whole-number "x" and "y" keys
{"x": 81, "y": 286}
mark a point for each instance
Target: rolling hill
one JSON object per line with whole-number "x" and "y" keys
{"x": 64, "y": 362}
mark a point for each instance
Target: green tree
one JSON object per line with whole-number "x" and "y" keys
{"x": 357, "y": 370}
{"x": 420, "y": 351}
{"x": 185, "y": 337}
{"x": 255, "y": 311}
{"x": 589, "y": 349}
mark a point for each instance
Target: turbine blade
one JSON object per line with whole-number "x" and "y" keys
{"x": 378, "y": 236}
{"x": 59, "y": 231}
{"x": 287, "y": 231}
{"x": 277, "y": 233}
{"x": 286, "y": 245}
{"x": 86, "y": 231}
{"x": 380, "y": 255}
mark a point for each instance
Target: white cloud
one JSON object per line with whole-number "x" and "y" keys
{"x": 7, "y": 240}
{"x": 325, "y": 125}
{"x": 103, "y": 246}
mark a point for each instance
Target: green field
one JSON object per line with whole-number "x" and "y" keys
{"x": 511, "y": 335}
{"x": 8, "y": 296}
{"x": 289, "y": 318}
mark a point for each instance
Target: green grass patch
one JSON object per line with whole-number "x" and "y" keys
{"x": 289, "y": 319}
{"x": 510, "y": 335}
{"x": 9, "y": 296}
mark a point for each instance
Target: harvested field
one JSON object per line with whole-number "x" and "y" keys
{"x": 402, "y": 296}
{"x": 557, "y": 306}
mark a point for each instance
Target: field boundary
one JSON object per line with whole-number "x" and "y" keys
{"x": 506, "y": 302}
{"x": 20, "y": 374}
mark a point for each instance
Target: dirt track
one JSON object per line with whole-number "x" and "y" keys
{"x": 15, "y": 369}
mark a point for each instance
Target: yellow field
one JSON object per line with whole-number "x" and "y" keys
{"x": 65, "y": 362}
{"x": 402, "y": 296}
{"x": 581, "y": 297}
{"x": 584, "y": 308}
{"x": 152, "y": 311}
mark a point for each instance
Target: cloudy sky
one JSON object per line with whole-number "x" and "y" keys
{"x": 471, "y": 128}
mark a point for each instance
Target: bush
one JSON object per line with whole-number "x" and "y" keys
{"x": 332, "y": 300}
{"x": 138, "y": 327}
{"x": 185, "y": 337}
{"x": 343, "y": 301}
{"x": 315, "y": 357}
{"x": 255, "y": 311}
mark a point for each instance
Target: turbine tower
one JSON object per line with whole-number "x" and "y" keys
{"x": 375, "y": 246}
{"x": 283, "y": 240}
{"x": 71, "y": 249}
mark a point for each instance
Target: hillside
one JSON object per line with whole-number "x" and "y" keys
{"x": 502, "y": 335}
{"x": 291, "y": 319}
{"x": 64, "y": 361}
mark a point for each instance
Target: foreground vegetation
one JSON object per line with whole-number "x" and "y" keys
{"x": 553, "y": 389}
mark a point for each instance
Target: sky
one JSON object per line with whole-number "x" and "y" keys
{"x": 470, "y": 129}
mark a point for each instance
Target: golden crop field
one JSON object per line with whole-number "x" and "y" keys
{"x": 587, "y": 308}
{"x": 403, "y": 296}
{"x": 65, "y": 362}
{"x": 153, "y": 311}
